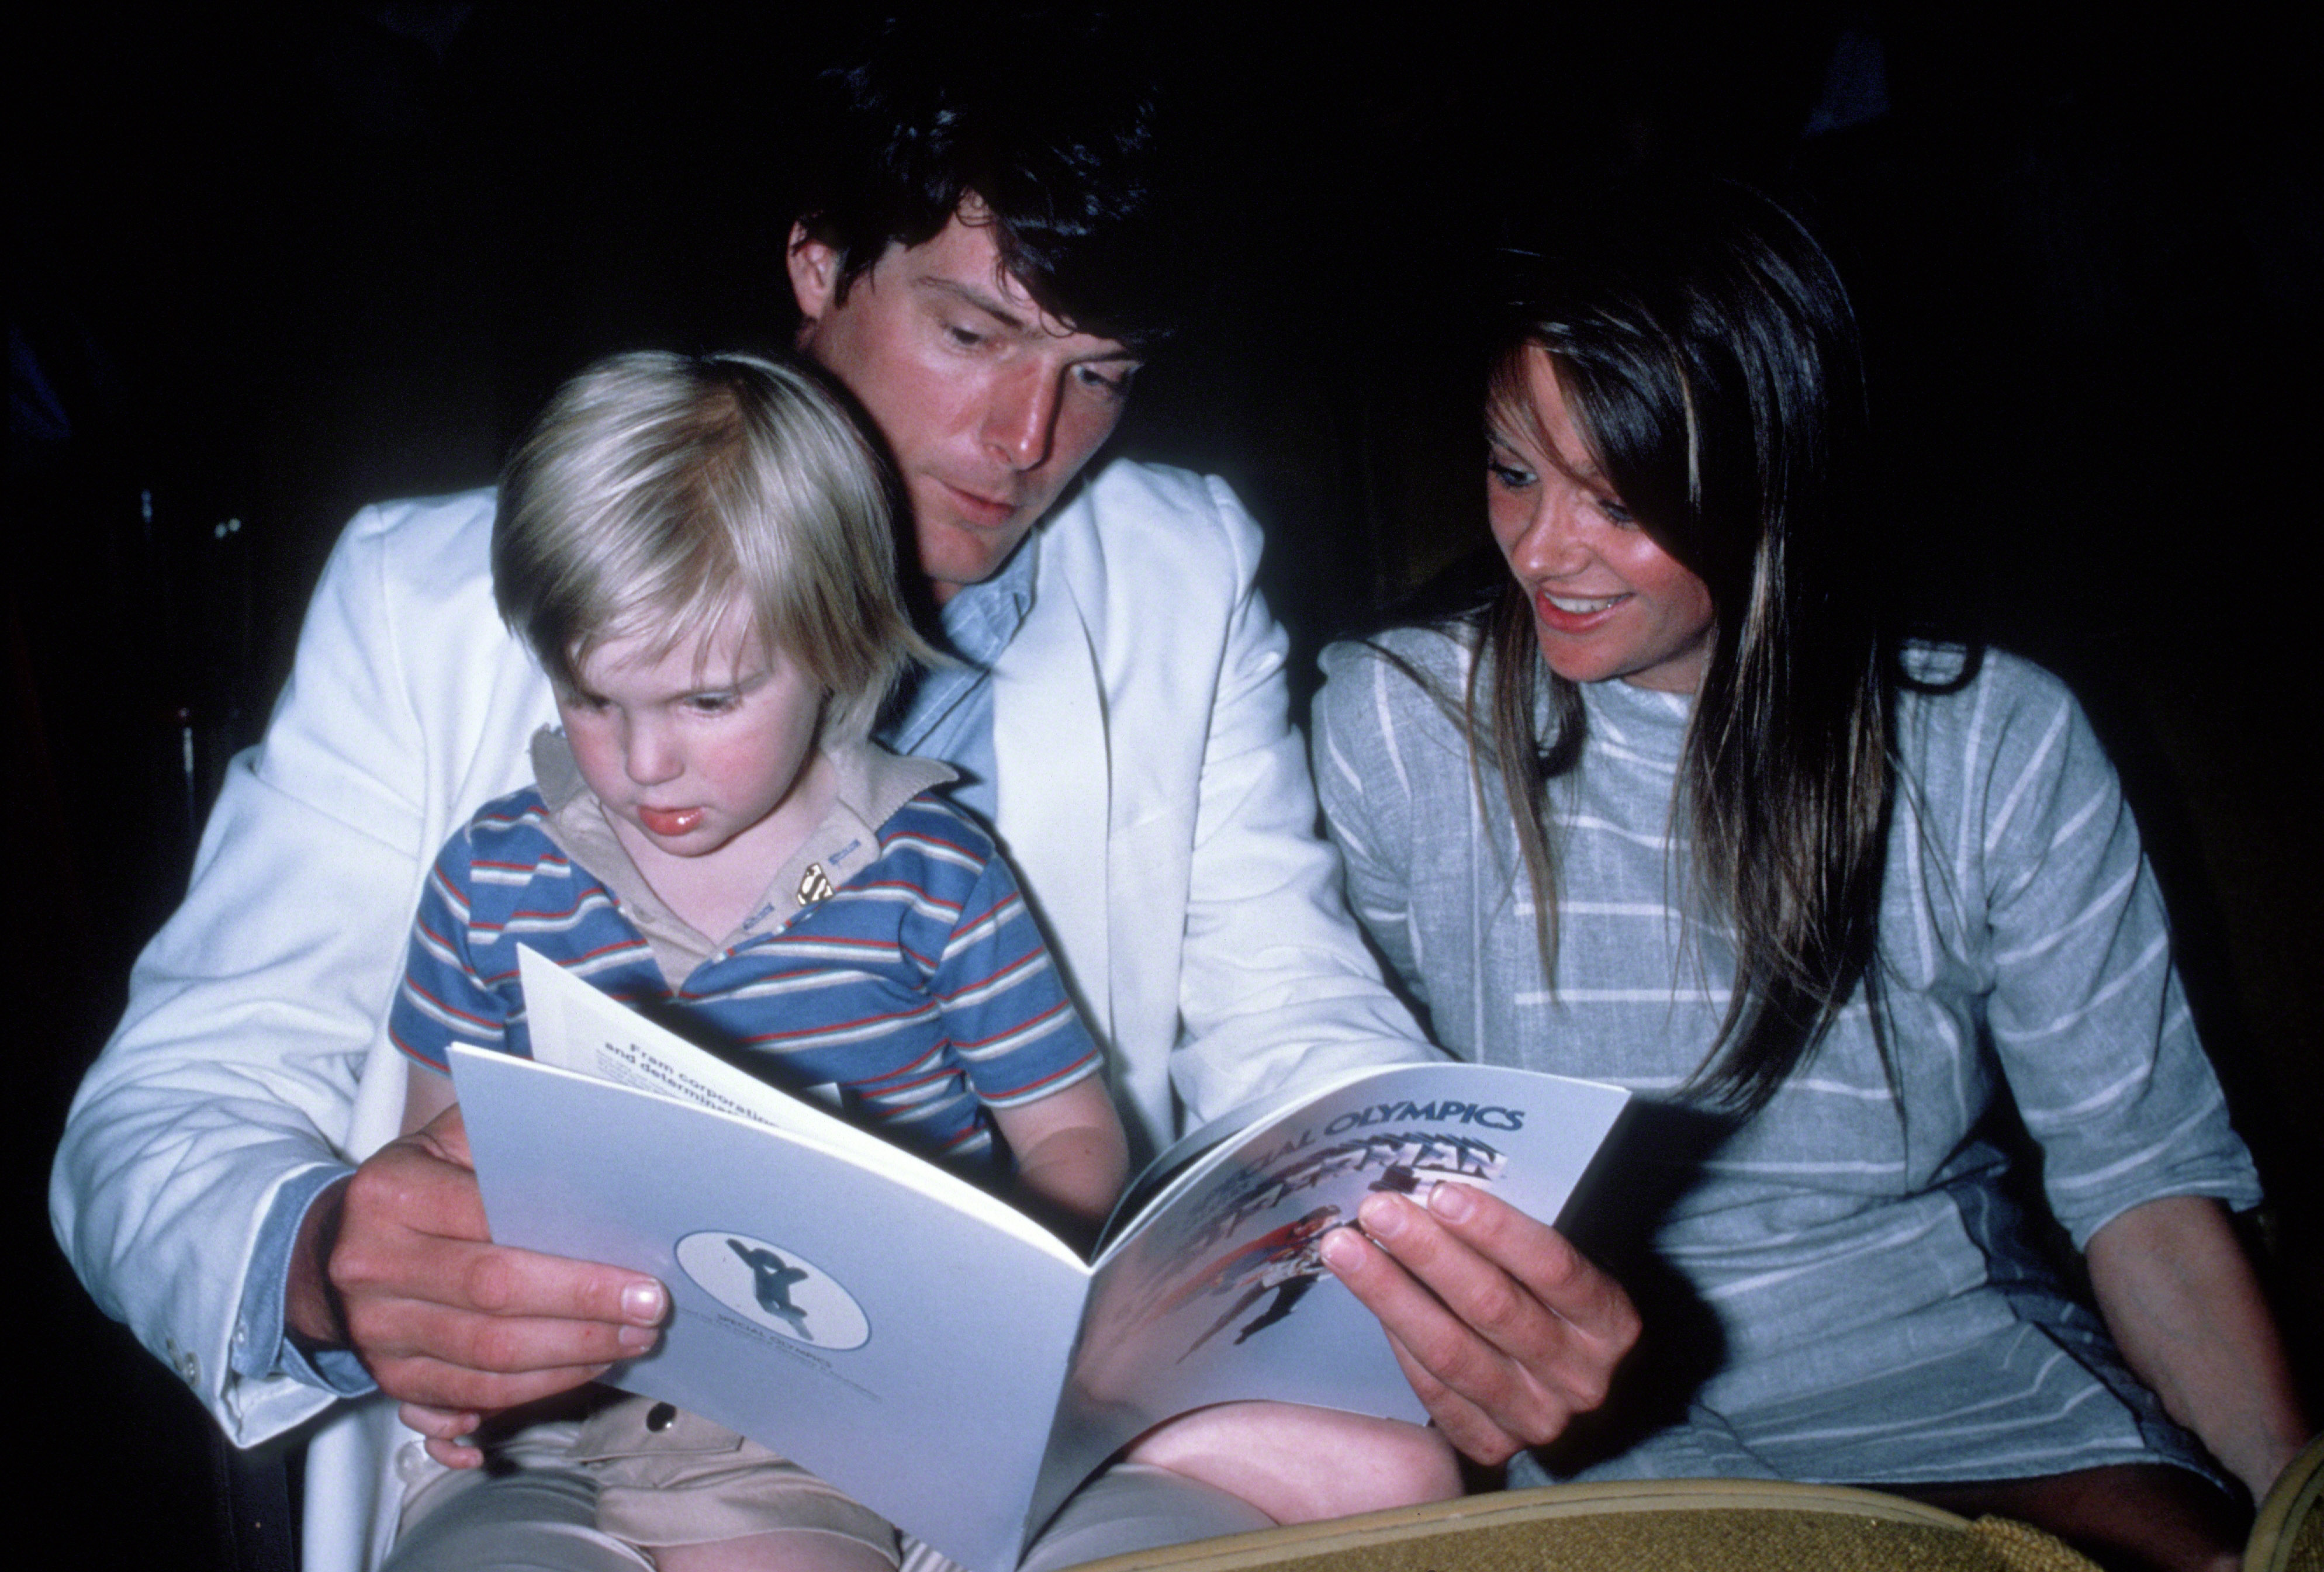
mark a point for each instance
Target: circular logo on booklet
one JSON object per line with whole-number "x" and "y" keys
{"x": 775, "y": 1287}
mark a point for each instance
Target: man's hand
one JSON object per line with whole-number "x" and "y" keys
{"x": 1502, "y": 1327}
{"x": 397, "y": 1264}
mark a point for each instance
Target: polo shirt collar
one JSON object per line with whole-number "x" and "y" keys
{"x": 871, "y": 785}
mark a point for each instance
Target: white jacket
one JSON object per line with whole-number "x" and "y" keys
{"x": 1150, "y": 791}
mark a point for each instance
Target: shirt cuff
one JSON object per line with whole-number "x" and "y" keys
{"x": 262, "y": 1346}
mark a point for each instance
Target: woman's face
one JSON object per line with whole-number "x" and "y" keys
{"x": 1607, "y": 601}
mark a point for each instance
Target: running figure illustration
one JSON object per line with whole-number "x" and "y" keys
{"x": 1286, "y": 1260}
{"x": 772, "y": 1279}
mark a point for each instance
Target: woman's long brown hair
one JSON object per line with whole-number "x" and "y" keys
{"x": 1710, "y": 357}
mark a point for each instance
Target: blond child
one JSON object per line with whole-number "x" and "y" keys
{"x": 699, "y": 551}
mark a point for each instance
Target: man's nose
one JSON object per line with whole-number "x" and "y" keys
{"x": 1021, "y": 422}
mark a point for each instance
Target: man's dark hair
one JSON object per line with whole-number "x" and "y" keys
{"x": 1047, "y": 119}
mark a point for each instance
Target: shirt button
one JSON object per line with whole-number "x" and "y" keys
{"x": 660, "y": 1417}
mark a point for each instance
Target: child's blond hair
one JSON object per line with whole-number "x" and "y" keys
{"x": 656, "y": 491}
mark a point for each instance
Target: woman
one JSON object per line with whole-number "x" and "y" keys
{"x": 1665, "y": 809}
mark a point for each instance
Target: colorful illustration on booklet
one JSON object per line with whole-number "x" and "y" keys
{"x": 1403, "y": 1160}
{"x": 1287, "y": 1259}
{"x": 776, "y": 1288}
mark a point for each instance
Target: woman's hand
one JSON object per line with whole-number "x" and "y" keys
{"x": 1504, "y": 1329}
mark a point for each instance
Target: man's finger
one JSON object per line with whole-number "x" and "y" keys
{"x": 447, "y": 1135}
{"x": 1473, "y": 1432}
{"x": 492, "y": 1344}
{"x": 409, "y": 1185}
{"x": 1376, "y": 1278}
{"x": 385, "y": 1263}
{"x": 444, "y": 1318}
{"x": 1515, "y": 1282}
{"x": 433, "y": 1383}
{"x": 447, "y": 1423}
{"x": 1484, "y": 1298}
{"x": 1486, "y": 1339}
{"x": 514, "y": 1285}
{"x": 1558, "y": 1276}
{"x": 1461, "y": 1380}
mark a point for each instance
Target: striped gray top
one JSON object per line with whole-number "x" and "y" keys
{"x": 1848, "y": 1248}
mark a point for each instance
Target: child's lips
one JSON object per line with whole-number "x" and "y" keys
{"x": 669, "y": 822}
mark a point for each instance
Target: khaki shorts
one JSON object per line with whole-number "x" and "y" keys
{"x": 667, "y": 1477}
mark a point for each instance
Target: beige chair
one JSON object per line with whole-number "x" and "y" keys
{"x": 1713, "y": 1524}
{"x": 2288, "y": 1536}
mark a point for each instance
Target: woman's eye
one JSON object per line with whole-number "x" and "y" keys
{"x": 1615, "y": 513}
{"x": 1509, "y": 476}
{"x": 710, "y": 703}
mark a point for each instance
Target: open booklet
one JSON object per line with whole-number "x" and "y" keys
{"x": 920, "y": 1343}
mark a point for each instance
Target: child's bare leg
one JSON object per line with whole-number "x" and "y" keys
{"x": 1302, "y": 1465}
{"x": 787, "y": 1551}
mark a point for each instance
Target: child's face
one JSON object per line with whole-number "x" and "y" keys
{"x": 697, "y": 747}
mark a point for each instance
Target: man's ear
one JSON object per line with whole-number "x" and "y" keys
{"x": 814, "y": 273}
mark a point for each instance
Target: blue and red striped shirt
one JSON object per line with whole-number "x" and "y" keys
{"x": 900, "y": 965}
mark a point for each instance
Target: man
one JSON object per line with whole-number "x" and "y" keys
{"x": 1121, "y": 720}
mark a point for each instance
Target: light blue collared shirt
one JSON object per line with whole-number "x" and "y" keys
{"x": 945, "y": 712}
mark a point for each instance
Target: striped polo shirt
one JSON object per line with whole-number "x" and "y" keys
{"x": 892, "y": 956}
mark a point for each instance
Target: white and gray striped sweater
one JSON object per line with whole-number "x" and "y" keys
{"x": 1881, "y": 1314}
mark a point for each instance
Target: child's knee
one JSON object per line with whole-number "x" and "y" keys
{"x": 1301, "y": 1465}
{"x": 1417, "y": 1465}
{"x": 1361, "y": 1463}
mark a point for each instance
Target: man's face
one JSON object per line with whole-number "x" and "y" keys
{"x": 990, "y": 405}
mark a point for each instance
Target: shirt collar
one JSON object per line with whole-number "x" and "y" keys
{"x": 982, "y": 618}
{"x": 872, "y": 785}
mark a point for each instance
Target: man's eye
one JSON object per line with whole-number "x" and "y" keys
{"x": 710, "y": 703}
{"x": 963, "y": 337}
{"x": 1113, "y": 382}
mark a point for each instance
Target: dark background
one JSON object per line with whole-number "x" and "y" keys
{"x": 270, "y": 265}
